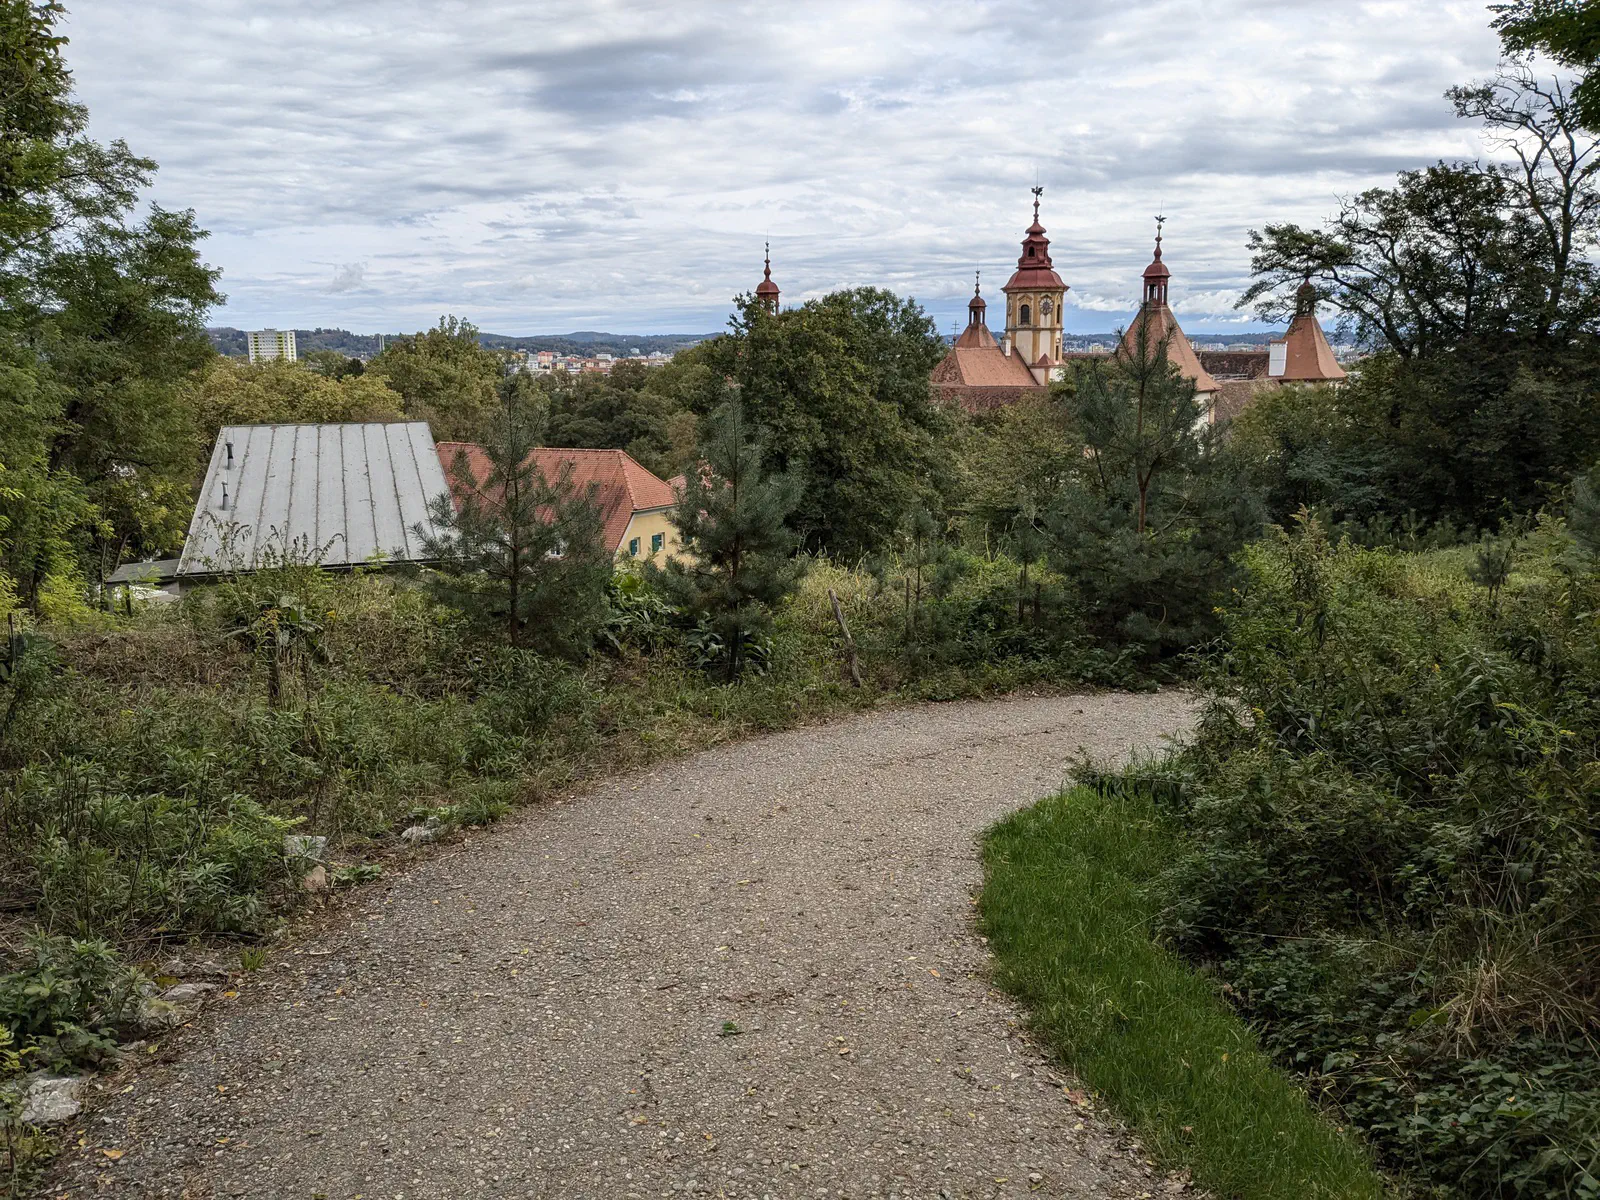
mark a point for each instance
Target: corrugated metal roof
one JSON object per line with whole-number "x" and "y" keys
{"x": 351, "y": 492}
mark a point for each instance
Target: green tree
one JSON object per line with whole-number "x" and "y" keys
{"x": 1569, "y": 32}
{"x": 738, "y": 558}
{"x": 1146, "y": 530}
{"x": 1016, "y": 459}
{"x": 334, "y": 364}
{"x": 101, "y": 324}
{"x": 840, "y": 387}
{"x": 1321, "y": 448}
{"x": 519, "y": 550}
{"x": 1473, "y": 285}
{"x": 232, "y": 392}
{"x": 445, "y": 377}
{"x": 636, "y": 408}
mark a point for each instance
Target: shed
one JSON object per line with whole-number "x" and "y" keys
{"x": 344, "y": 494}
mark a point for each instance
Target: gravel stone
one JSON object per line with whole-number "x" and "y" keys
{"x": 52, "y": 1098}
{"x": 187, "y": 993}
{"x": 750, "y": 973}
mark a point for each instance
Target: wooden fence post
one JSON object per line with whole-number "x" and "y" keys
{"x": 849, "y": 642}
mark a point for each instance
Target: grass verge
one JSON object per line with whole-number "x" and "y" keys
{"x": 1067, "y": 907}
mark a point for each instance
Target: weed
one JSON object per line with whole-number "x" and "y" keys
{"x": 253, "y": 958}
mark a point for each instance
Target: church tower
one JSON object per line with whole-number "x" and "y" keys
{"x": 766, "y": 290}
{"x": 1034, "y": 297}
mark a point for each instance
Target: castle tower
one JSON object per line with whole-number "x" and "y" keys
{"x": 1157, "y": 321}
{"x": 1303, "y": 355}
{"x": 766, "y": 290}
{"x": 1034, "y": 296}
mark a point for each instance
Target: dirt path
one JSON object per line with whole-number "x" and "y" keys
{"x": 751, "y": 973}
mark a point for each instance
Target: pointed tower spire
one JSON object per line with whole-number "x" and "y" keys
{"x": 976, "y": 308}
{"x": 1156, "y": 275}
{"x": 766, "y": 290}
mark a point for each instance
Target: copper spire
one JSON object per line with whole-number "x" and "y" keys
{"x": 976, "y": 306}
{"x": 1156, "y": 274}
{"x": 766, "y": 290}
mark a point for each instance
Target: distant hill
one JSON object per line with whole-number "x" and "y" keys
{"x": 587, "y": 341}
{"x": 230, "y": 341}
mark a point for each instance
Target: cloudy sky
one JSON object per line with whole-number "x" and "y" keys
{"x": 617, "y": 164}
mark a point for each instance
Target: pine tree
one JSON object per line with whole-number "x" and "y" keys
{"x": 738, "y": 554}
{"x": 518, "y": 549}
{"x": 1146, "y": 529}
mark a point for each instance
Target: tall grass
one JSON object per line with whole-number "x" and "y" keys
{"x": 1068, "y": 908}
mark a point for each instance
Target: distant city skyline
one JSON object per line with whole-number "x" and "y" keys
{"x": 618, "y": 168}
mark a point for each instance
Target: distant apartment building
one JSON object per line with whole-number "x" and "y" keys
{"x": 267, "y": 344}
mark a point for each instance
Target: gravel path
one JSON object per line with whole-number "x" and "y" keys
{"x": 750, "y": 973}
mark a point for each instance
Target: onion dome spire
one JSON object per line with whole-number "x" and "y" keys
{"x": 766, "y": 290}
{"x": 1035, "y": 271}
{"x": 1156, "y": 274}
{"x": 976, "y": 308}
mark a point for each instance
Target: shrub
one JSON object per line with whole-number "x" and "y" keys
{"x": 65, "y": 1004}
{"x": 1392, "y": 857}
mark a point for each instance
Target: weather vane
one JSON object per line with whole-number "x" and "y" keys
{"x": 1037, "y": 192}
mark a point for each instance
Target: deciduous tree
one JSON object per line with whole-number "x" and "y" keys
{"x": 101, "y": 324}
{"x": 445, "y": 377}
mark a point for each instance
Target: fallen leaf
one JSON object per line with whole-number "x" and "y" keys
{"x": 113, "y": 1155}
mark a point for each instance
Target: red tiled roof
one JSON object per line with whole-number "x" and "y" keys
{"x": 1179, "y": 352}
{"x": 624, "y": 486}
{"x": 1234, "y": 364}
{"x": 1235, "y": 396}
{"x": 976, "y": 360}
{"x": 1035, "y": 271}
{"x": 1307, "y": 356}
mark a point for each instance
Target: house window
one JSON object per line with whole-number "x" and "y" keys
{"x": 1024, "y": 318}
{"x": 633, "y": 548}
{"x": 657, "y": 540}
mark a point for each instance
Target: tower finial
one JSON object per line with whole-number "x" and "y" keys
{"x": 767, "y": 291}
{"x": 1037, "y": 192}
{"x": 1160, "y": 221}
{"x": 977, "y": 280}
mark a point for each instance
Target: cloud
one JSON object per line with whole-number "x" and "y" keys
{"x": 348, "y": 277}
{"x": 619, "y": 163}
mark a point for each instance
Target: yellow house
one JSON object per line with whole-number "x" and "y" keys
{"x": 637, "y": 504}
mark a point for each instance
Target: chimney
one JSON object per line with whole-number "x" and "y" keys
{"x": 230, "y": 455}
